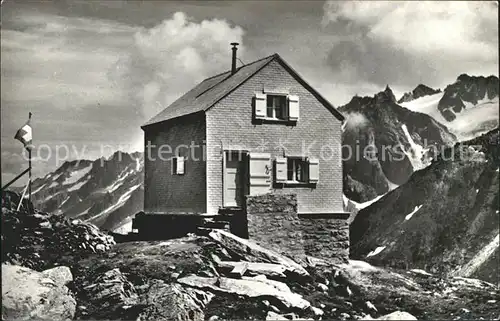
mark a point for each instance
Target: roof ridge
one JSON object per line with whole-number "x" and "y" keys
{"x": 250, "y": 63}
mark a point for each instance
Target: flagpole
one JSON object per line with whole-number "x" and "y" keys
{"x": 29, "y": 174}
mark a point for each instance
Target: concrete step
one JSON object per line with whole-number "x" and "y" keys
{"x": 216, "y": 225}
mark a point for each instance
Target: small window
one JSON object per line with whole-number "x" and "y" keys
{"x": 174, "y": 165}
{"x": 297, "y": 170}
{"x": 178, "y": 165}
{"x": 276, "y": 107}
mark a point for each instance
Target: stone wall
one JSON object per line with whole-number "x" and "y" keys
{"x": 273, "y": 222}
{"x": 271, "y": 203}
{"x": 326, "y": 235}
{"x": 280, "y": 232}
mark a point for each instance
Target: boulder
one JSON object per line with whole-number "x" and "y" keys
{"x": 271, "y": 270}
{"x": 273, "y": 316}
{"x": 251, "y": 287}
{"x": 108, "y": 294}
{"x": 60, "y": 274}
{"x": 397, "y": 315}
{"x": 249, "y": 251}
{"x": 174, "y": 302}
{"x": 31, "y": 295}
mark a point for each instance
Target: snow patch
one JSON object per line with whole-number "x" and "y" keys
{"x": 407, "y": 217}
{"x": 391, "y": 185}
{"x": 38, "y": 189}
{"x": 360, "y": 206}
{"x": 376, "y": 251}
{"x": 47, "y": 198}
{"x": 54, "y": 184}
{"x": 119, "y": 182}
{"x": 118, "y": 204}
{"x": 67, "y": 198}
{"x": 419, "y": 271}
{"x": 361, "y": 265}
{"x": 484, "y": 254}
{"x": 124, "y": 228}
{"x": 83, "y": 213}
{"x": 416, "y": 153}
{"x": 75, "y": 176}
{"x": 477, "y": 190}
{"x": 345, "y": 199}
{"x": 469, "y": 123}
{"x": 137, "y": 164}
{"x": 77, "y": 186}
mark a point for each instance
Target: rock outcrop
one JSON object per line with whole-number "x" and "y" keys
{"x": 39, "y": 240}
{"x": 397, "y": 315}
{"x": 32, "y": 295}
{"x": 467, "y": 90}
{"x": 174, "y": 302}
{"x": 252, "y": 252}
{"x": 251, "y": 287}
{"x": 108, "y": 294}
{"x": 419, "y": 91}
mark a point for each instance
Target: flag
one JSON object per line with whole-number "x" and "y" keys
{"x": 24, "y": 135}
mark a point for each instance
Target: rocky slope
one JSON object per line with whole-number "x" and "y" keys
{"x": 388, "y": 142}
{"x": 105, "y": 192}
{"x": 39, "y": 240}
{"x": 468, "y": 107}
{"x": 214, "y": 275}
{"x": 445, "y": 219}
{"x": 420, "y": 91}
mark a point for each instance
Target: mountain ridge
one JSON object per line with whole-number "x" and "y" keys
{"x": 420, "y": 91}
{"x": 377, "y": 124}
{"x": 443, "y": 220}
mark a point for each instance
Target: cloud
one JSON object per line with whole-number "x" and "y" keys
{"x": 355, "y": 120}
{"x": 91, "y": 83}
{"x": 410, "y": 42}
{"x": 170, "y": 58}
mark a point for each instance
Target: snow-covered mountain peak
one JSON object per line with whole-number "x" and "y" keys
{"x": 468, "y": 107}
{"x": 106, "y": 191}
{"x": 466, "y": 92}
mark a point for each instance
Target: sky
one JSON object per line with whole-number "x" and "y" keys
{"x": 92, "y": 72}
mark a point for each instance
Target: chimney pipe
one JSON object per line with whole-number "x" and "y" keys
{"x": 233, "y": 61}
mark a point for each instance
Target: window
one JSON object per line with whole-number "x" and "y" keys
{"x": 178, "y": 165}
{"x": 281, "y": 108}
{"x": 297, "y": 170}
{"x": 276, "y": 107}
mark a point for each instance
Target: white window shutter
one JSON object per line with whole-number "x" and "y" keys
{"x": 281, "y": 170}
{"x": 260, "y": 105}
{"x": 180, "y": 165}
{"x": 293, "y": 107}
{"x": 260, "y": 173}
{"x": 313, "y": 170}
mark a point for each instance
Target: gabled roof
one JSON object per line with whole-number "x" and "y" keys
{"x": 213, "y": 89}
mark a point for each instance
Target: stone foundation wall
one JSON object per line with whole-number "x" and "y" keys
{"x": 280, "y": 232}
{"x": 271, "y": 203}
{"x": 326, "y": 235}
{"x": 273, "y": 222}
